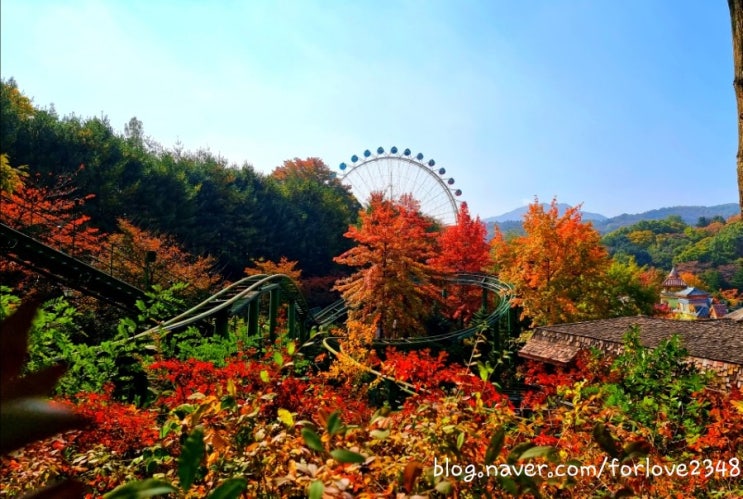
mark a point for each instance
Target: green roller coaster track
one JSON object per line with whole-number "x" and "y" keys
{"x": 245, "y": 292}
{"x": 242, "y": 297}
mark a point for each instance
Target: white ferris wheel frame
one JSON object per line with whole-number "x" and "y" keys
{"x": 398, "y": 173}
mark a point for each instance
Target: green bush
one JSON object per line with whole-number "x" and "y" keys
{"x": 655, "y": 387}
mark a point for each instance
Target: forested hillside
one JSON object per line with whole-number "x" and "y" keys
{"x": 230, "y": 212}
{"x": 711, "y": 250}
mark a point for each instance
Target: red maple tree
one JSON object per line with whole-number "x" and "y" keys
{"x": 462, "y": 248}
{"x": 392, "y": 287}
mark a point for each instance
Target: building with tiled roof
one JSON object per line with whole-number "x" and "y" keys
{"x": 713, "y": 345}
{"x": 682, "y": 300}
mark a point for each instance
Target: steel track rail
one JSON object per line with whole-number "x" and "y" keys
{"x": 246, "y": 289}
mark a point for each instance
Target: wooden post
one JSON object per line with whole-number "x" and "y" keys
{"x": 736, "y": 18}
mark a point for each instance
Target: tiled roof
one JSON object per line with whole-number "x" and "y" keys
{"x": 719, "y": 339}
{"x": 544, "y": 349}
{"x": 673, "y": 280}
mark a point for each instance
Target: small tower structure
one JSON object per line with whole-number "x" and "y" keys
{"x": 672, "y": 285}
{"x": 684, "y": 301}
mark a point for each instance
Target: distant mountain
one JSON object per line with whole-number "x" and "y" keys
{"x": 511, "y": 221}
{"x": 689, "y": 214}
{"x": 517, "y": 215}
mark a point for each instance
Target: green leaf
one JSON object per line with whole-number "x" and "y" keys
{"x": 516, "y": 452}
{"x": 286, "y": 418}
{"x": 231, "y": 488}
{"x": 278, "y": 359}
{"x": 168, "y": 427}
{"x": 495, "y": 446}
{"x": 347, "y": 456}
{"x": 312, "y": 440}
{"x": 334, "y": 424}
{"x": 264, "y": 376}
{"x": 460, "y": 440}
{"x": 444, "y": 487}
{"x": 316, "y": 490}
{"x": 139, "y": 489}
{"x": 509, "y": 485}
{"x": 228, "y": 402}
{"x": 380, "y": 434}
{"x": 192, "y": 453}
{"x": 291, "y": 347}
{"x": 605, "y": 440}
{"x": 539, "y": 451}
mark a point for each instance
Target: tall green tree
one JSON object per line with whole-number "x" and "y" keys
{"x": 317, "y": 211}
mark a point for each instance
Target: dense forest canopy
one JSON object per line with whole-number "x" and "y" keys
{"x": 230, "y": 212}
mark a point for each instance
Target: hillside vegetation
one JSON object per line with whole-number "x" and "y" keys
{"x": 712, "y": 250}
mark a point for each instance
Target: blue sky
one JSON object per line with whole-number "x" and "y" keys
{"x": 622, "y": 106}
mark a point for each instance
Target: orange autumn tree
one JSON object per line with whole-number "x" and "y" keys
{"x": 462, "y": 248}
{"x": 127, "y": 252}
{"x": 53, "y": 215}
{"x": 391, "y": 288}
{"x": 284, "y": 266}
{"x": 558, "y": 268}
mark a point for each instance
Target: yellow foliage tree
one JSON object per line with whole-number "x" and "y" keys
{"x": 558, "y": 268}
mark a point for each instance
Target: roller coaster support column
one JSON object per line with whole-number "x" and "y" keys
{"x": 484, "y": 299}
{"x": 273, "y": 309}
{"x": 292, "y": 318}
{"x": 221, "y": 323}
{"x": 253, "y": 318}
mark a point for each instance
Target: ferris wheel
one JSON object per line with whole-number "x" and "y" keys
{"x": 396, "y": 173}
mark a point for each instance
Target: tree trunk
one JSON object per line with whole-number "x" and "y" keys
{"x": 736, "y": 16}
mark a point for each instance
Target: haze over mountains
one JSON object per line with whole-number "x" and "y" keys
{"x": 690, "y": 214}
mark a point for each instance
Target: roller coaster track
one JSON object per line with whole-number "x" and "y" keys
{"x": 76, "y": 274}
{"x": 235, "y": 297}
{"x": 486, "y": 282}
{"x": 247, "y": 290}
{"x": 66, "y": 269}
